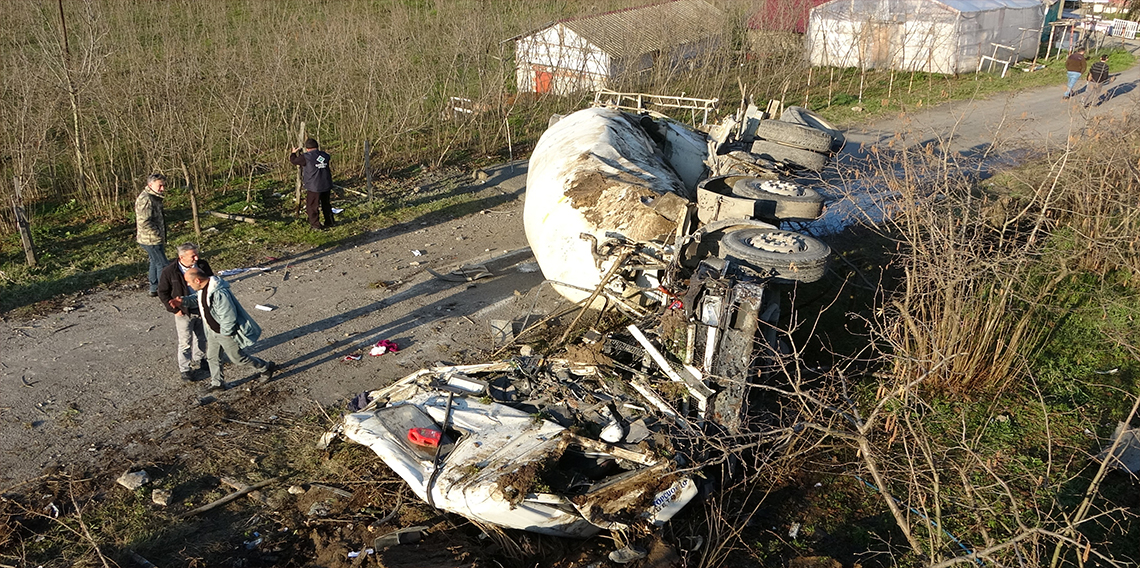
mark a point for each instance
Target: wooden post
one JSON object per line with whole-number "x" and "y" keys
{"x": 22, "y": 224}
{"x": 368, "y": 168}
{"x": 300, "y": 142}
{"x": 807, "y": 90}
{"x": 1049, "y": 48}
{"x": 510, "y": 146}
{"x": 193, "y": 204}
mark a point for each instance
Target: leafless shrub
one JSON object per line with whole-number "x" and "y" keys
{"x": 148, "y": 86}
{"x": 980, "y": 269}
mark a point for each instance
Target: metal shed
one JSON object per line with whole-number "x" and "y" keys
{"x": 586, "y": 53}
{"x": 940, "y": 36}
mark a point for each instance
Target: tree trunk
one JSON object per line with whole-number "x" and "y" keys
{"x": 22, "y": 224}
{"x": 193, "y": 204}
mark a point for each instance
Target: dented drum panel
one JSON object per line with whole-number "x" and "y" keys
{"x": 595, "y": 171}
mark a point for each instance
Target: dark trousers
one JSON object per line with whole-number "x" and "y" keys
{"x": 315, "y": 204}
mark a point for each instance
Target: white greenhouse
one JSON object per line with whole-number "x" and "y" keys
{"x": 939, "y": 36}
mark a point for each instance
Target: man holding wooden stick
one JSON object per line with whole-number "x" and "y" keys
{"x": 316, "y": 176}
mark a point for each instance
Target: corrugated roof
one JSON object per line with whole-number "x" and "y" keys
{"x": 897, "y": 7}
{"x": 634, "y": 31}
{"x": 987, "y": 5}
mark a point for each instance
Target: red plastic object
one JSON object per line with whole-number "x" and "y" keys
{"x": 427, "y": 437}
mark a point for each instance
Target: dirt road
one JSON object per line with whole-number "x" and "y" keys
{"x": 96, "y": 386}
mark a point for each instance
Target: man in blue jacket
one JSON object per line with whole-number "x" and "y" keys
{"x": 316, "y": 177}
{"x": 228, "y": 327}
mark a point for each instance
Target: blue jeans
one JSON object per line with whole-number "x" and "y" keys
{"x": 1074, "y": 76}
{"x": 157, "y": 255}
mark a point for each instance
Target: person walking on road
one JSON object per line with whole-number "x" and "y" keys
{"x": 150, "y": 228}
{"x": 190, "y": 349}
{"x": 1075, "y": 66}
{"x": 228, "y": 327}
{"x": 316, "y": 177}
{"x": 1098, "y": 78}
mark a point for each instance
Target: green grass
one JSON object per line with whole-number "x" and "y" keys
{"x": 894, "y": 91}
{"x": 77, "y": 253}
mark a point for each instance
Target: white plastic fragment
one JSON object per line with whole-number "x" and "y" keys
{"x": 265, "y": 308}
{"x": 133, "y": 479}
{"x": 234, "y": 271}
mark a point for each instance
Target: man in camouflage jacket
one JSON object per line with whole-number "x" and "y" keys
{"x": 151, "y": 228}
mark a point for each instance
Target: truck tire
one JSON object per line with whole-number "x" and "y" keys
{"x": 794, "y": 135}
{"x": 787, "y": 155}
{"x": 788, "y": 256}
{"x": 801, "y": 115}
{"x": 793, "y": 201}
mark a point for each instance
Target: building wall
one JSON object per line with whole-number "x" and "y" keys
{"x": 563, "y": 62}
{"x": 925, "y": 36}
{"x": 560, "y": 60}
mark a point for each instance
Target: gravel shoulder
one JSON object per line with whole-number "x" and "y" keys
{"x": 96, "y": 385}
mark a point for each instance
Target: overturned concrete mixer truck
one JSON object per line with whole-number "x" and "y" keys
{"x": 633, "y": 210}
{"x": 676, "y": 228}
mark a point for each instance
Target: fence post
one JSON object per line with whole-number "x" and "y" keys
{"x": 22, "y": 223}
{"x": 193, "y": 204}
{"x": 297, "y": 194}
{"x": 368, "y": 168}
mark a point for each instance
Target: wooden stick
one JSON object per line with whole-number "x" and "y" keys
{"x": 233, "y": 217}
{"x": 368, "y": 168}
{"x": 254, "y": 495}
{"x": 300, "y": 142}
{"x": 193, "y": 204}
{"x": 22, "y": 224}
{"x": 230, "y": 497}
{"x": 590, "y": 301}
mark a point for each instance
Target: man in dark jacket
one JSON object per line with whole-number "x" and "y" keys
{"x": 316, "y": 177}
{"x": 190, "y": 352}
{"x": 1098, "y": 78}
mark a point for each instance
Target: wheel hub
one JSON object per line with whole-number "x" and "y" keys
{"x": 778, "y": 242}
{"x": 758, "y": 188}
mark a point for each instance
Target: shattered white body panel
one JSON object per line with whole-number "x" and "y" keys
{"x": 596, "y": 172}
{"x": 501, "y": 439}
{"x": 500, "y": 447}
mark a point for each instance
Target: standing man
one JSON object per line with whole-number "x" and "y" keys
{"x": 228, "y": 327}
{"x": 316, "y": 176}
{"x": 189, "y": 351}
{"x": 151, "y": 228}
{"x": 1098, "y": 78}
{"x": 1075, "y": 66}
